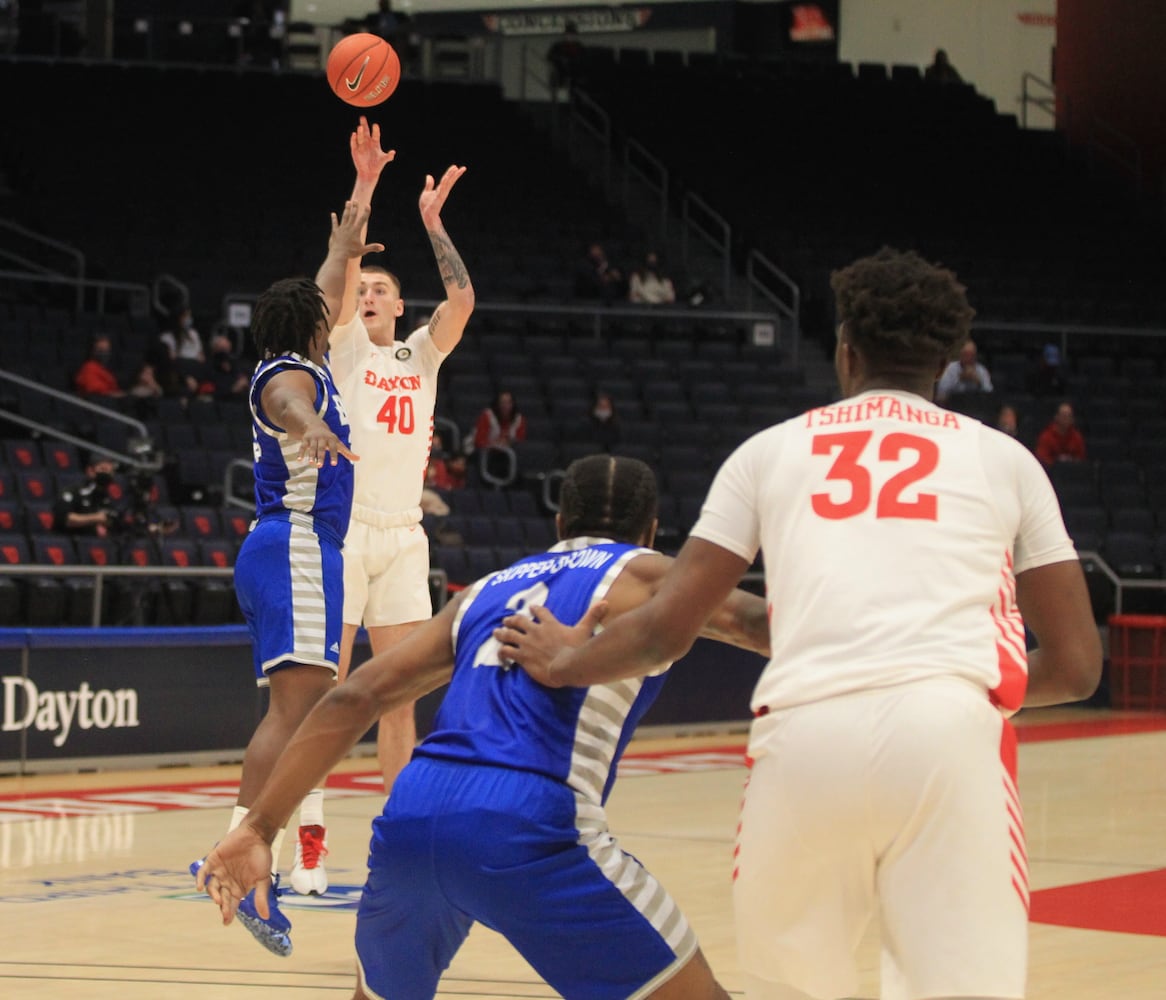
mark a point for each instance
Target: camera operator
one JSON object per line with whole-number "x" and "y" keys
{"x": 88, "y": 509}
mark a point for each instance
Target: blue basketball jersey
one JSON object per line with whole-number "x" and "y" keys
{"x": 501, "y": 717}
{"x": 284, "y": 485}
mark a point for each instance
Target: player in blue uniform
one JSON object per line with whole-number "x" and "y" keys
{"x": 289, "y": 573}
{"x": 499, "y": 817}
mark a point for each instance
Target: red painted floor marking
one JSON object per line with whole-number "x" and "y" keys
{"x": 1127, "y": 904}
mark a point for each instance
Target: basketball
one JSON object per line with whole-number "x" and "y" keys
{"x": 363, "y": 70}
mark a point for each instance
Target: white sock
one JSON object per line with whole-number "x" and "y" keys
{"x": 312, "y": 808}
{"x": 237, "y": 816}
{"x": 276, "y": 845}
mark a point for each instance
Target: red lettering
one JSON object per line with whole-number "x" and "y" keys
{"x": 848, "y": 468}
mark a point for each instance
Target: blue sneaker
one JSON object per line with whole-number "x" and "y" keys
{"x": 274, "y": 933}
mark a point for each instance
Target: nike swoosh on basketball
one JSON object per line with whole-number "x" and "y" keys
{"x": 354, "y": 84}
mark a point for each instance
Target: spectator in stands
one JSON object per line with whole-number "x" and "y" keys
{"x": 597, "y": 278}
{"x": 1049, "y": 379}
{"x": 145, "y": 390}
{"x": 96, "y": 376}
{"x": 601, "y": 426}
{"x": 1061, "y": 441}
{"x": 446, "y": 470}
{"x": 501, "y": 423}
{"x": 650, "y": 284}
{"x": 394, "y": 27}
{"x": 262, "y": 24}
{"x": 941, "y": 70}
{"x": 87, "y": 509}
{"x": 182, "y": 340}
{"x": 565, "y": 58}
{"x": 383, "y": 21}
{"x": 1006, "y": 420}
{"x": 227, "y": 375}
{"x": 963, "y": 375}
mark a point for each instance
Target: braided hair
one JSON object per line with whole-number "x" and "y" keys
{"x": 609, "y": 496}
{"x": 902, "y": 313}
{"x": 287, "y": 317}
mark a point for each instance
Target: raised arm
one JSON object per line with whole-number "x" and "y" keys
{"x": 345, "y": 245}
{"x": 369, "y": 160}
{"x": 419, "y": 664}
{"x": 449, "y": 319}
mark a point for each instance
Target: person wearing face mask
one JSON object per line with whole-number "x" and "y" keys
{"x": 96, "y": 376}
{"x": 184, "y": 342}
{"x": 601, "y": 426}
{"x": 88, "y": 508}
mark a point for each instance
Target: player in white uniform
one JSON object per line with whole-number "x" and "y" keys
{"x": 905, "y": 549}
{"x": 390, "y": 389}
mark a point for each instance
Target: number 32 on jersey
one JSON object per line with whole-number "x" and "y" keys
{"x": 901, "y": 496}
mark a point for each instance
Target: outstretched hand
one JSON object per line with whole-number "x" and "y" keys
{"x": 239, "y": 863}
{"x": 367, "y": 155}
{"x": 534, "y": 641}
{"x": 433, "y": 196}
{"x": 320, "y": 444}
{"x": 348, "y": 232}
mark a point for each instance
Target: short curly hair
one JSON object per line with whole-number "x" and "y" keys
{"x": 900, "y": 311}
{"x": 287, "y": 317}
{"x": 608, "y": 496}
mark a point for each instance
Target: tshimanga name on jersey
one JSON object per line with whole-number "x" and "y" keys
{"x": 886, "y": 407}
{"x": 25, "y": 706}
{"x": 583, "y": 559}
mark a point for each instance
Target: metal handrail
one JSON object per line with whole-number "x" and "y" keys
{"x": 598, "y": 125}
{"x": 758, "y": 262}
{"x": 151, "y": 463}
{"x": 1130, "y": 160}
{"x": 102, "y": 286}
{"x": 603, "y": 315}
{"x": 164, "y": 280}
{"x": 230, "y": 499}
{"x": 719, "y": 222}
{"x": 1120, "y": 583}
{"x": 634, "y": 151}
{"x": 1046, "y": 101}
{"x": 99, "y": 573}
{"x": 72, "y": 252}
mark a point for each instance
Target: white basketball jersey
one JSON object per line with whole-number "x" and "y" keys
{"x": 390, "y": 393}
{"x": 891, "y": 532}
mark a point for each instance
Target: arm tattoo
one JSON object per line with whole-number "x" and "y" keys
{"x": 434, "y": 320}
{"x": 449, "y": 264}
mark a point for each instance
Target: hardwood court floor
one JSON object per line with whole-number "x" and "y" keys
{"x": 95, "y": 902}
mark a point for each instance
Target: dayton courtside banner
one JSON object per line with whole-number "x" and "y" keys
{"x": 112, "y": 697}
{"x": 72, "y": 695}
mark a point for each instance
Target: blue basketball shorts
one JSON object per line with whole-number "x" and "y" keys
{"x": 461, "y": 842}
{"x": 290, "y": 584}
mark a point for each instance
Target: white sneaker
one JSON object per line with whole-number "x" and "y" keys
{"x": 308, "y": 877}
